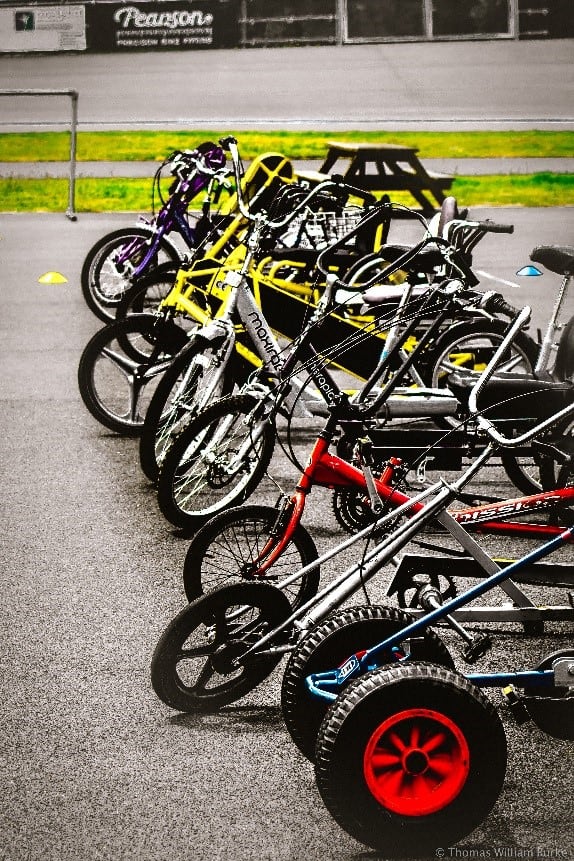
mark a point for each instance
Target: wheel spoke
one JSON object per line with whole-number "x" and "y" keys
{"x": 121, "y": 361}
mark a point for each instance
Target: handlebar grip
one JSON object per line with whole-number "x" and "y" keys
{"x": 493, "y": 227}
{"x": 494, "y": 303}
{"x": 225, "y": 142}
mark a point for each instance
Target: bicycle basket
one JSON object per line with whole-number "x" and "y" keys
{"x": 318, "y": 230}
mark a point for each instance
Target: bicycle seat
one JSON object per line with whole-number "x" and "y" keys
{"x": 515, "y": 396}
{"x": 426, "y": 261}
{"x": 381, "y": 293}
{"x": 557, "y": 258}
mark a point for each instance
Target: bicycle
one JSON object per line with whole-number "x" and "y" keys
{"x": 265, "y": 543}
{"x": 197, "y": 480}
{"x": 118, "y": 370}
{"x": 170, "y": 405}
{"x": 407, "y": 742}
{"x": 120, "y": 257}
{"x": 223, "y": 644}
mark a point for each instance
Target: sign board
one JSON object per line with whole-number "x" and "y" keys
{"x": 42, "y": 28}
{"x": 162, "y": 25}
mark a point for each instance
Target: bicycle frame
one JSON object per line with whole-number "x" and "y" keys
{"x": 322, "y": 685}
{"x": 328, "y": 470}
{"x": 172, "y": 215}
{"x": 334, "y": 594}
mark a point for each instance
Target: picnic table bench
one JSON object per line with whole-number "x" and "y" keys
{"x": 385, "y": 168}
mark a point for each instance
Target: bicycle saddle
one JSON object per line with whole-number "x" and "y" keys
{"x": 425, "y": 261}
{"x": 557, "y": 258}
{"x": 515, "y": 396}
{"x": 382, "y": 293}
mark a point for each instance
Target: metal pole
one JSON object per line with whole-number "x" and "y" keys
{"x": 70, "y": 212}
{"x": 73, "y": 95}
{"x": 341, "y": 24}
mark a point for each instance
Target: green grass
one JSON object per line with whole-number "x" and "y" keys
{"x": 152, "y": 145}
{"x": 134, "y": 195}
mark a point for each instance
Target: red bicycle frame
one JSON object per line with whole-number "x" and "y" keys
{"x": 329, "y": 470}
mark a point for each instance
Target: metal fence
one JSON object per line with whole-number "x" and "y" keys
{"x": 296, "y": 22}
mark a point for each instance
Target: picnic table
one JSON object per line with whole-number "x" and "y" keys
{"x": 384, "y": 167}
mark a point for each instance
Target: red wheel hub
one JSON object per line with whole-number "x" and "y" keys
{"x": 416, "y": 762}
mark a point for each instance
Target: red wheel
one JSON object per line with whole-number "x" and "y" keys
{"x": 410, "y": 757}
{"x": 416, "y": 762}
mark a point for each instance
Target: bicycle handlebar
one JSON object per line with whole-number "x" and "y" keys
{"x": 492, "y": 226}
{"x": 186, "y": 161}
{"x": 484, "y": 424}
{"x": 494, "y": 303}
{"x": 485, "y": 226}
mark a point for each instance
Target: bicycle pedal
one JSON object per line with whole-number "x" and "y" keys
{"x": 516, "y": 706}
{"x": 477, "y": 649}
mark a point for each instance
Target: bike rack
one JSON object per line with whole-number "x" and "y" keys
{"x": 73, "y": 95}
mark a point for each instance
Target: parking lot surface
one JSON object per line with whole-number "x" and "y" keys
{"x": 94, "y": 765}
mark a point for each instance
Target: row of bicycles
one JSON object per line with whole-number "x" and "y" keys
{"x": 288, "y": 324}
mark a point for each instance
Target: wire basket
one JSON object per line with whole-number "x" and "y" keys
{"x": 318, "y": 230}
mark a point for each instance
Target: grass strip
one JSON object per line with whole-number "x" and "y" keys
{"x": 156, "y": 145}
{"x": 134, "y": 195}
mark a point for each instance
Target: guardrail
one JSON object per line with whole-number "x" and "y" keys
{"x": 73, "y": 96}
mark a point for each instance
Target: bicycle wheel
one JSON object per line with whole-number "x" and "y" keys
{"x": 542, "y": 471}
{"x": 193, "y": 669}
{"x": 217, "y": 461}
{"x": 327, "y": 646}
{"x": 410, "y": 757}
{"x": 145, "y": 294}
{"x": 105, "y": 279}
{"x": 196, "y": 377}
{"x": 117, "y": 389}
{"x": 470, "y": 346}
{"x": 230, "y": 544}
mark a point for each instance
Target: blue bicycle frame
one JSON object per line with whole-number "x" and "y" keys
{"x": 326, "y": 685}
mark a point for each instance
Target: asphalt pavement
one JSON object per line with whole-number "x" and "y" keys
{"x": 453, "y": 85}
{"x": 94, "y": 765}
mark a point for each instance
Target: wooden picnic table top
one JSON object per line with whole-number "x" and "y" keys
{"x": 350, "y": 147}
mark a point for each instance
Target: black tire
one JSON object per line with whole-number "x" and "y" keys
{"x": 203, "y": 641}
{"x": 115, "y": 388}
{"x": 193, "y": 482}
{"x": 541, "y": 472}
{"x": 526, "y": 473}
{"x": 145, "y": 294}
{"x": 226, "y": 547}
{"x": 327, "y": 646}
{"x": 186, "y": 388}
{"x": 103, "y": 284}
{"x": 410, "y": 758}
{"x": 474, "y": 343}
